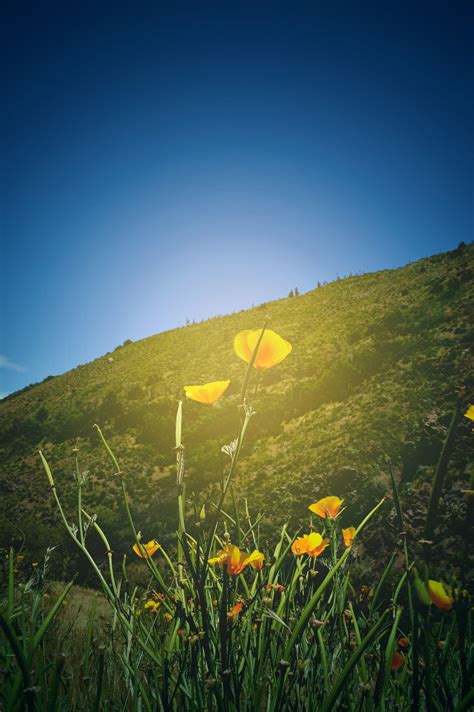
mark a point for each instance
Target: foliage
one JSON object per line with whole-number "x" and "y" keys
{"x": 217, "y": 627}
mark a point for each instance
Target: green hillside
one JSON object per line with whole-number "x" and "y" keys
{"x": 374, "y": 370}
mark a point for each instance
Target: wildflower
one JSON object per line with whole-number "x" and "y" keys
{"x": 348, "y": 535}
{"x": 312, "y": 544}
{"x": 145, "y": 551}
{"x": 398, "y": 660}
{"x": 235, "y": 610}
{"x": 167, "y": 617}
{"x": 152, "y": 605}
{"x": 404, "y": 643}
{"x": 237, "y": 560}
{"x": 35, "y": 564}
{"x": 469, "y": 413}
{"x": 440, "y": 595}
{"x": 328, "y": 506}
{"x": 271, "y": 351}
{"x": 207, "y": 393}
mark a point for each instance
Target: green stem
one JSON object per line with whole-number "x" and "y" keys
{"x": 440, "y": 474}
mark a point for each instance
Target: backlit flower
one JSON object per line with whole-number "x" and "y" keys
{"x": 348, "y": 535}
{"x": 328, "y": 506}
{"x": 440, "y": 595}
{"x": 236, "y": 560}
{"x": 470, "y": 412}
{"x": 207, "y": 393}
{"x": 312, "y": 544}
{"x": 398, "y": 660}
{"x": 144, "y": 551}
{"x": 271, "y": 351}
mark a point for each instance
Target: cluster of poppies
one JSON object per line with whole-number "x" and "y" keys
{"x": 272, "y": 349}
{"x": 313, "y": 544}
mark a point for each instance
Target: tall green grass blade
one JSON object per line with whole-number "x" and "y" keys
{"x": 352, "y": 662}
{"x": 51, "y": 614}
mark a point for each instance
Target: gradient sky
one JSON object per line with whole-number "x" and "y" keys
{"x": 165, "y": 162}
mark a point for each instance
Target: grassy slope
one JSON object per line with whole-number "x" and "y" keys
{"x": 375, "y": 363}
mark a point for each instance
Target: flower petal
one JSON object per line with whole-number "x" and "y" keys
{"x": 145, "y": 551}
{"x": 440, "y": 595}
{"x": 348, "y": 535}
{"x": 255, "y": 559}
{"x": 327, "y": 506}
{"x": 272, "y": 349}
{"x": 469, "y": 413}
{"x": 241, "y": 346}
{"x": 208, "y": 393}
{"x": 398, "y": 660}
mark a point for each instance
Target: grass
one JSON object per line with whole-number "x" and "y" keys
{"x": 208, "y": 624}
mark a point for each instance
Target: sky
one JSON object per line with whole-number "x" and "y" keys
{"x": 164, "y": 162}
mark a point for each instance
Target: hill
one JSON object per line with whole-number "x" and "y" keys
{"x": 376, "y": 363}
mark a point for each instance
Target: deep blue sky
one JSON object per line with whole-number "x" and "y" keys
{"x": 169, "y": 162}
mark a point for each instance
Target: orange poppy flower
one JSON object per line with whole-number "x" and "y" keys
{"x": 237, "y": 560}
{"x": 348, "y": 535}
{"x": 207, "y": 393}
{"x": 440, "y": 595}
{"x": 144, "y": 551}
{"x": 234, "y": 612}
{"x": 312, "y": 544}
{"x": 398, "y": 660}
{"x": 404, "y": 643}
{"x": 329, "y": 506}
{"x": 271, "y": 351}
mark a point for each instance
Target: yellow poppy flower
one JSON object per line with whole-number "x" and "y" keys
{"x": 207, "y": 393}
{"x": 237, "y": 560}
{"x": 348, "y": 535}
{"x": 152, "y": 605}
{"x": 327, "y": 506}
{"x": 470, "y": 412}
{"x": 312, "y": 544}
{"x": 144, "y": 551}
{"x": 271, "y": 351}
{"x": 440, "y": 595}
{"x": 167, "y": 617}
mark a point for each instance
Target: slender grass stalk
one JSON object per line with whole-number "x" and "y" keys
{"x": 100, "y": 679}
{"x": 353, "y": 660}
{"x": 53, "y": 693}
{"x": 440, "y": 474}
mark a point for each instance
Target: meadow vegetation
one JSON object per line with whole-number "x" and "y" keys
{"x": 307, "y": 518}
